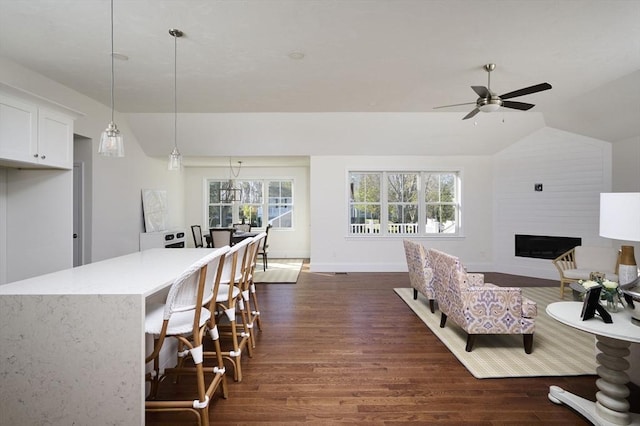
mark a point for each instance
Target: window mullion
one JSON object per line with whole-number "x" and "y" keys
{"x": 384, "y": 204}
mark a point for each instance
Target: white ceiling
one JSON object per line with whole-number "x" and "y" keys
{"x": 359, "y": 55}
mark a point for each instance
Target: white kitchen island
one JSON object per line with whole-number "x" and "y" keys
{"x": 72, "y": 343}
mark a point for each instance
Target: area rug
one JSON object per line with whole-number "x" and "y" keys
{"x": 281, "y": 271}
{"x": 558, "y": 350}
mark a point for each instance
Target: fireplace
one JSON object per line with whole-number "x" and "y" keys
{"x": 544, "y": 246}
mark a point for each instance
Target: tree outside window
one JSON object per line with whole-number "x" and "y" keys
{"x": 393, "y": 203}
{"x": 441, "y": 201}
{"x": 402, "y": 198}
{"x": 364, "y": 203}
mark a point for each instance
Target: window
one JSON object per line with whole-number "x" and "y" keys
{"x": 404, "y": 203}
{"x": 441, "y": 202}
{"x": 365, "y": 203}
{"x": 280, "y": 204}
{"x": 251, "y": 203}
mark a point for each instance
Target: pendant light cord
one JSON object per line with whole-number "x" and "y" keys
{"x": 175, "y": 91}
{"x": 112, "y": 68}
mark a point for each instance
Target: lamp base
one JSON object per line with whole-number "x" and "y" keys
{"x": 627, "y": 273}
{"x": 628, "y": 268}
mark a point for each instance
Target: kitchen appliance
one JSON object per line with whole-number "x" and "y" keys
{"x": 163, "y": 239}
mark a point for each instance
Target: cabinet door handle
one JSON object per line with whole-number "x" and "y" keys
{"x": 43, "y": 156}
{"x": 35, "y": 155}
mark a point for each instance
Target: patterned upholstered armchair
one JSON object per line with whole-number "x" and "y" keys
{"x": 479, "y": 307}
{"x": 420, "y": 273}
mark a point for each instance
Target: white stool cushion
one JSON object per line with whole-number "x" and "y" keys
{"x": 223, "y": 292}
{"x": 180, "y": 323}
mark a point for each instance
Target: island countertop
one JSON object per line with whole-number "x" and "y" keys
{"x": 141, "y": 273}
{"x": 72, "y": 342}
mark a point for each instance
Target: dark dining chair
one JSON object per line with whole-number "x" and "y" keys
{"x": 196, "y": 231}
{"x": 264, "y": 249}
{"x": 221, "y": 237}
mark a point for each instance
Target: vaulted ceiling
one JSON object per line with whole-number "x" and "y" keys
{"x": 318, "y": 56}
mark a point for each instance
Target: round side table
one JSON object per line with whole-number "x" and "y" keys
{"x": 611, "y": 406}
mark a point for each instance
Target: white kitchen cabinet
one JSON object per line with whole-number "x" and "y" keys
{"x": 33, "y": 135}
{"x": 18, "y": 129}
{"x": 55, "y": 139}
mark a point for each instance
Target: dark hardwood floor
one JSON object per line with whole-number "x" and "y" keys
{"x": 344, "y": 348}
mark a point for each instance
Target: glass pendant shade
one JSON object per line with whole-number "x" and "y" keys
{"x": 111, "y": 142}
{"x": 175, "y": 160}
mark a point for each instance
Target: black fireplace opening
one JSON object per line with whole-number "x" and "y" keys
{"x": 544, "y": 246}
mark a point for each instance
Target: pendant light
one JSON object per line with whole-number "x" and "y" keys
{"x": 111, "y": 140}
{"x": 231, "y": 192}
{"x": 175, "y": 158}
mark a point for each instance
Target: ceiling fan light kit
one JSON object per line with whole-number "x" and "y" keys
{"x": 488, "y": 101}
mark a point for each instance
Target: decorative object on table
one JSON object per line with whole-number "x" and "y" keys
{"x": 620, "y": 220}
{"x": 578, "y": 291}
{"x": 631, "y": 292}
{"x": 591, "y": 305}
{"x": 611, "y": 294}
{"x": 628, "y": 267}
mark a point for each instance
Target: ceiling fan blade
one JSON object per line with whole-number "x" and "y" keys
{"x": 472, "y": 113}
{"x": 517, "y": 105}
{"x": 482, "y": 91}
{"x": 447, "y": 106}
{"x": 526, "y": 91}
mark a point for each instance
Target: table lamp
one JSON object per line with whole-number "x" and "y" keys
{"x": 620, "y": 220}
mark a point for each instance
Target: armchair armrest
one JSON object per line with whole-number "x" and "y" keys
{"x": 496, "y": 298}
{"x": 475, "y": 279}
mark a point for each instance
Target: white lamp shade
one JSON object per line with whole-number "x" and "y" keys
{"x": 620, "y": 216}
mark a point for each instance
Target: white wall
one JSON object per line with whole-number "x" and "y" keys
{"x": 3, "y": 225}
{"x": 573, "y": 169}
{"x": 116, "y": 183}
{"x": 332, "y": 250}
{"x": 283, "y": 243}
{"x": 39, "y": 222}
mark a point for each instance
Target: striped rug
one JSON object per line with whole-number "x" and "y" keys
{"x": 281, "y": 271}
{"x": 558, "y": 350}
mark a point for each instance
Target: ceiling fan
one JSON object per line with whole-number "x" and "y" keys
{"x": 489, "y": 101}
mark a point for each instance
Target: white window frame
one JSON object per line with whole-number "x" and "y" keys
{"x": 422, "y": 204}
{"x": 235, "y": 205}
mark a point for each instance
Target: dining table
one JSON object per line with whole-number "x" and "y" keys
{"x": 236, "y": 237}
